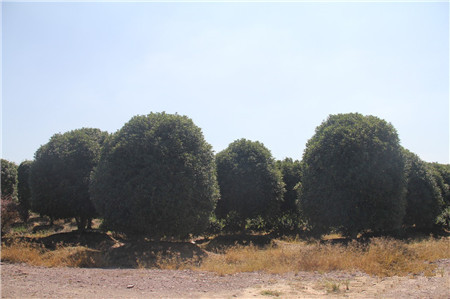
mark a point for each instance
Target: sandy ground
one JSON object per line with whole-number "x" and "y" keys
{"x": 24, "y": 281}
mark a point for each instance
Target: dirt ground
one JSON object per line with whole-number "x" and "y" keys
{"x": 24, "y": 281}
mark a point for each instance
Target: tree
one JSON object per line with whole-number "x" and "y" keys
{"x": 289, "y": 219}
{"x": 23, "y": 188}
{"x": 423, "y": 197}
{"x": 441, "y": 174}
{"x": 60, "y": 174}
{"x": 291, "y": 173}
{"x": 249, "y": 181}
{"x": 353, "y": 176}
{"x": 9, "y": 179}
{"x": 156, "y": 177}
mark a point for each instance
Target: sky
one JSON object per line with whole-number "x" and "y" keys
{"x": 264, "y": 71}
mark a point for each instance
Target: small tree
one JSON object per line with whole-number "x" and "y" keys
{"x": 156, "y": 177}
{"x": 289, "y": 219}
{"x": 352, "y": 176}
{"x": 441, "y": 175}
{"x": 59, "y": 177}
{"x": 249, "y": 181}
{"x": 23, "y": 188}
{"x": 291, "y": 173}
{"x": 423, "y": 197}
{"x": 9, "y": 180}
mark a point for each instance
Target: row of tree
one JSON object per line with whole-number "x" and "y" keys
{"x": 158, "y": 176}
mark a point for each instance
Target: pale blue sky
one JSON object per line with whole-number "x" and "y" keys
{"x": 270, "y": 72}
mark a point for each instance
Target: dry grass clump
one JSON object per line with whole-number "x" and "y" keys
{"x": 381, "y": 257}
{"x": 62, "y": 256}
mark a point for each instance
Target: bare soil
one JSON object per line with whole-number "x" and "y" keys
{"x": 24, "y": 281}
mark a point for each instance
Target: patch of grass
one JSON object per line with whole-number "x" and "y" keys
{"x": 271, "y": 293}
{"x": 62, "y": 256}
{"x": 332, "y": 286}
{"x": 174, "y": 261}
{"x": 381, "y": 257}
{"x": 21, "y": 229}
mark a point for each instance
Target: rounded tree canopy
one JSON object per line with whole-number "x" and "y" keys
{"x": 60, "y": 174}
{"x": 156, "y": 176}
{"x": 353, "y": 177}
{"x": 9, "y": 179}
{"x": 250, "y": 183}
{"x": 423, "y": 197}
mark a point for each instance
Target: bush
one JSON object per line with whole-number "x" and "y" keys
{"x": 156, "y": 176}
{"x": 249, "y": 181}
{"x": 423, "y": 197}
{"x": 353, "y": 176}
{"x": 9, "y": 179}
{"x": 59, "y": 177}
{"x": 9, "y": 213}
{"x": 24, "y": 190}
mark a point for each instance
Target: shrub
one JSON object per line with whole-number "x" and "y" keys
{"x": 352, "y": 176}
{"x": 250, "y": 184}
{"x": 9, "y": 179}
{"x": 23, "y": 188}
{"x": 423, "y": 197}
{"x": 59, "y": 177}
{"x": 9, "y": 213}
{"x": 156, "y": 176}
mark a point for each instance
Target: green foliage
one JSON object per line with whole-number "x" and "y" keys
{"x": 24, "y": 190}
{"x": 60, "y": 175}
{"x": 441, "y": 175}
{"x": 423, "y": 197}
{"x": 291, "y": 173}
{"x": 250, "y": 183}
{"x": 288, "y": 224}
{"x": 353, "y": 176}
{"x": 156, "y": 176}
{"x": 9, "y": 179}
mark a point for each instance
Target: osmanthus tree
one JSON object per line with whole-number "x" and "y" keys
{"x": 23, "y": 188}
{"x": 441, "y": 174}
{"x": 250, "y": 183}
{"x": 423, "y": 197}
{"x": 8, "y": 194}
{"x": 156, "y": 177}
{"x": 353, "y": 176}
{"x": 9, "y": 179}
{"x": 291, "y": 173}
{"x": 289, "y": 220}
{"x": 60, "y": 175}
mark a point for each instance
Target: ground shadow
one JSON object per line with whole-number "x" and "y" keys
{"x": 221, "y": 243}
{"x": 149, "y": 254}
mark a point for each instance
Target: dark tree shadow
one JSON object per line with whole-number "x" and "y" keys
{"x": 222, "y": 243}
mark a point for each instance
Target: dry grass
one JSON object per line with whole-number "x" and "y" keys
{"x": 381, "y": 257}
{"x": 62, "y": 256}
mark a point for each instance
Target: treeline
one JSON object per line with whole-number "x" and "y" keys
{"x": 157, "y": 176}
